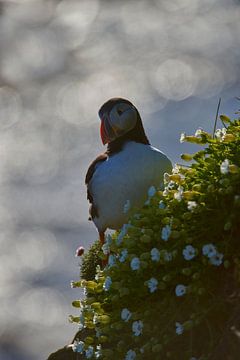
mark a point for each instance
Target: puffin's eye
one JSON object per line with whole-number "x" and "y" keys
{"x": 119, "y": 112}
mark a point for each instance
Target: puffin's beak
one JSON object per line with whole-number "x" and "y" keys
{"x": 103, "y": 133}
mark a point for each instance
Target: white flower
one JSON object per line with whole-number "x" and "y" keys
{"x": 171, "y": 185}
{"x": 98, "y": 353}
{"x": 98, "y": 273}
{"x": 105, "y": 249}
{"x": 125, "y": 314}
{"x": 191, "y": 205}
{"x": 152, "y": 284}
{"x": 78, "y": 346}
{"x": 165, "y": 192}
{"x": 135, "y": 263}
{"x": 98, "y": 333}
{"x": 167, "y": 256}
{"x": 155, "y": 254}
{"x": 189, "y": 252}
{"x": 179, "y": 194}
{"x": 161, "y": 205}
{"x": 176, "y": 169}
{"x": 131, "y": 355}
{"x": 95, "y": 319}
{"x": 137, "y": 327}
{"x": 111, "y": 260}
{"x": 199, "y": 132}
{"x": 122, "y": 233}
{"x": 224, "y": 167}
{"x": 89, "y": 352}
{"x": 220, "y": 133}
{"x": 81, "y": 316}
{"x": 166, "y": 177}
{"x": 179, "y": 328}
{"x": 209, "y": 250}
{"x": 180, "y": 290}
{"x": 182, "y": 137}
{"x": 123, "y": 255}
{"x": 126, "y": 207}
{"x": 193, "y": 358}
{"x": 108, "y": 240}
{"x": 216, "y": 259}
{"x": 166, "y": 231}
{"x": 107, "y": 284}
{"x": 80, "y": 327}
{"x": 151, "y": 191}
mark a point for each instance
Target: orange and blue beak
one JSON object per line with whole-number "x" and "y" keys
{"x": 107, "y": 132}
{"x": 103, "y": 133}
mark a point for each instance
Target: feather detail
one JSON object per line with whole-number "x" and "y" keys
{"x": 93, "y": 210}
{"x": 125, "y": 175}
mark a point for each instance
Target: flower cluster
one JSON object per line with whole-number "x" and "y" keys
{"x": 164, "y": 286}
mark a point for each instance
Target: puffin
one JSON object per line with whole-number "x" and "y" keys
{"x": 120, "y": 177}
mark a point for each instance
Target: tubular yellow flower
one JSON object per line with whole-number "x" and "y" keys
{"x": 193, "y": 139}
{"x": 188, "y": 195}
{"x": 229, "y": 138}
{"x": 176, "y": 178}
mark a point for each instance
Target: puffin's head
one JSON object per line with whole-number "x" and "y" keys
{"x": 118, "y": 116}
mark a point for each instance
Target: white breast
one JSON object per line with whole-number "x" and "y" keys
{"x": 126, "y": 175}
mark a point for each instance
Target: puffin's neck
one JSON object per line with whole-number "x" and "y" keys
{"x": 137, "y": 134}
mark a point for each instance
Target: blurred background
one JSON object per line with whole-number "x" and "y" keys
{"x": 60, "y": 60}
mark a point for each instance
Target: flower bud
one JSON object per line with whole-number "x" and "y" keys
{"x": 103, "y": 339}
{"x": 167, "y": 278}
{"x": 176, "y": 178}
{"x": 194, "y": 140}
{"x": 196, "y": 276}
{"x": 79, "y": 251}
{"x": 233, "y": 169}
{"x": 196, "y": 187}
{"x": 76, "y": 303}
{"x": 88, "y": 340}
{"x": 104, "y": 319}
{"x": 188, "y": 195}
{"x": 186, "y": 157}
{"x": 186, "y": 271}
{"x": 225, "y": 119}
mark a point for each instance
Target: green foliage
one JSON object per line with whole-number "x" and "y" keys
{"x": 90, "y": 261}
{"x": 171, "y": 285}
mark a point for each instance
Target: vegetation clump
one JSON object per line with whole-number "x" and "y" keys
{"x": 170, "y": 289}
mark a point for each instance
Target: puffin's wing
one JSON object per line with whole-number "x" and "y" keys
{"x": 93, "y": 209}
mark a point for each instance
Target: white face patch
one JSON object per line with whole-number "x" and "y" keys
{"x": 122, "y": 118}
